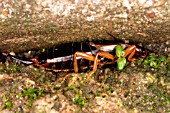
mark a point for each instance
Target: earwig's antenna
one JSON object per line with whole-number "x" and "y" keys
{"x": 111, "y": 35}
{"x": 116, "y": 40}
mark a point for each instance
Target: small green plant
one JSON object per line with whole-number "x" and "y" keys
{"x": 5, "y": 98}
{"x": 121, "y": 61}
{"x": 31, "y": 93}
{"x": 9, "y": 70}
{"x": 29, "y": 104}
{"x": 12, "y": 69}
{"x": 7, "y": 105}
{"x": 68, "y": 89}
{"x": 79, "y": 101}
{"x": 154, "y": 61}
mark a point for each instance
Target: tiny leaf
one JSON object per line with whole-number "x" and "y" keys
{"x": 121, "y": 62}
{"x": 123, "y": 53}
{"x": 119, "y": 51}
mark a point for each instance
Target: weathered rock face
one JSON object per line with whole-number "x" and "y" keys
{"x": 31, "y": 24}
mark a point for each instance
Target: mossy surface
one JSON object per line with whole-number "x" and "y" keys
{"x": 143, "y": 89}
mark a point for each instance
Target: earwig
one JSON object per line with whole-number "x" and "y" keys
{"x": 79, "y": 56}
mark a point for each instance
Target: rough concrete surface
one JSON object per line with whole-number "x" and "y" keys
{"x": 35, "y": 24}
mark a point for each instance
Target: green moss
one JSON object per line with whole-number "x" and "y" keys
{"x": 68, "y": 89}
{"x": 79, "y": 101}
{"x": 31, "y": 93}
{"x": 7, "y": 105}
{"x": 29, "y": 104}
{"x": 154, "y": 61}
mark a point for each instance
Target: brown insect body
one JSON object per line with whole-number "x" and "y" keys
{"x": 60, "y": 58}
{"x": 65, "y": 57}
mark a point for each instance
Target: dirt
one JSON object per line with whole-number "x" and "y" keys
{"x": 30, "y": 89}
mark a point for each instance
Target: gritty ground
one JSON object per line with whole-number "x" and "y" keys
{"x": 27, "y": 25}
{"x": 133, "y": 90}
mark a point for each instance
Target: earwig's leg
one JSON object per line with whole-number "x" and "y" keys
{"x": 130, "y": 50}
{"x": 46, "y": 65}
{"x": 83, "y": 55}
{"x": 102, "y": 54}
{"x": 35, "y": 61}
{"x": 91, "y": 58}
{"x": 94, "y": 67}
{"x": 105, "y": 55}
